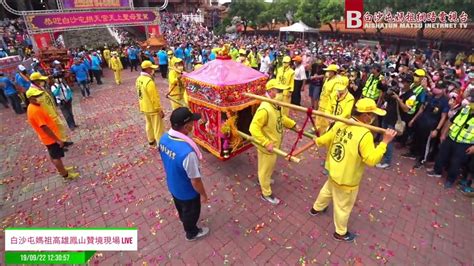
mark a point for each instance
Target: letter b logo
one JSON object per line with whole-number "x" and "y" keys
{"x": 353, "y": 20}
{"x": 353, "y": 14}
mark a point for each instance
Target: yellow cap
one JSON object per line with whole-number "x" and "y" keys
{"x": 340, "y": 87}
{"x": 37, "y": 76}
{"x": 274, "y": 84}
{"x": 170, "y": 52}
{"x": 148, "y": 64}
{"x": 286, "y": 59}
{"x": 270, "y": 84}
{"x": 420, "y": 72}
{"x": 332, "y": 67}
{"x": 242, "y": 51}
{"x": 367, "y": 105}
{"x": 344, "y": 80}
{"x": 33, "y": 92}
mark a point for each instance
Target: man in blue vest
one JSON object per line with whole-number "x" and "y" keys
{"x": 180, "y": 156}
{"x": 8, "y": 89}
{"x": 133, "y": 57}
{"x": 163, "y": 62}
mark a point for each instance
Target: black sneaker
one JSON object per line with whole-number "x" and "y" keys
{"x": 314, "y": 212}
{"x": 202, "y": 233}
{"x": 418, "y": 165}
{"x": 409, "y": 155}
{"x": 348, "y": 237}
{"x": 68, "y": 143}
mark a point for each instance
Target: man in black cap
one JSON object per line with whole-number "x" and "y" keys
{"x": 180, "y": 156}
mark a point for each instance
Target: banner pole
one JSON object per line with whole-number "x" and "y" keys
{"x": 275, "y": 150}
{"x": 318, "y": 113}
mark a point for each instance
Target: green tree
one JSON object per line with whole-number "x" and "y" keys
{"x": 307, "y": 12}
{"x": 247, "y": 10}
{"x": 330, "y": 9}
{"x": 280, "y": 9}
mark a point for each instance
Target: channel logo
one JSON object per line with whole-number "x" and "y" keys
{"x": 353, "y": 14}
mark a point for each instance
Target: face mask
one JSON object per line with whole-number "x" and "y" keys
{"x": 372, "y": 119}
{"x": 436, "y": 91}
{"x": 279, "y": 97}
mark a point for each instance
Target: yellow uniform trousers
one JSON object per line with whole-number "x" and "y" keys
{"x": 343, "y": 201}
{"x": 266, "y": 164}
{"x": 176, "y": 101}
{"x": 118, "y": 76}
{"x": 61, "y": 128}
{"x": 154, "y": 127}
{"x": 287, "y": 99}
{"x": 322, "y": 124}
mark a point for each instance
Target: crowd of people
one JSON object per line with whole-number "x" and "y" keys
{"x": 15, "y": 39}
{"x": 422, "y": 97}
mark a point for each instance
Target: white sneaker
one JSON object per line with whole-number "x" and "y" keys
{"x": 271, "y": 182}
{"x": 272, "y": 199}
{"x": 382, "y": 165}
{"x": 202, "y": 233}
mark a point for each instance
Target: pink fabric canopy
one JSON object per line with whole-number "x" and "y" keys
{"x": 224, "y": 72}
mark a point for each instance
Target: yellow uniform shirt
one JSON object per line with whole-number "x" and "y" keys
{"x": 254, "y": 59}
{"x": 470, "y": 59}
{"x": 350, "y": 148}
{"x": 148, "y": 97}
{"x": 343, "y": 107}
{"x": 234, "y": 54}
{"x": 115, "y": 64}
{"x": 245, "y": 61}
{"x": 171, "y": 62}
{"x": 176, "y": 86}
{"x": 327, "y": 94}
{"x": 267, "y": 125}
{"x": 286, "y": 76}
{"x": 107, "y": 54}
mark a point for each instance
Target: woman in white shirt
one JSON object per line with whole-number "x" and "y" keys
{"x": 265, "y": 63}
{"x": 300, "y": 80}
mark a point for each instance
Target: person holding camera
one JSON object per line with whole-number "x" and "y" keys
{"x": 355, "y": 83}
{"x": 63, "y": 94}
{"x": 398, "y": 104}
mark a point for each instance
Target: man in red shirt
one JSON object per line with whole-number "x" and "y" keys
{"x": 48, "y": 133}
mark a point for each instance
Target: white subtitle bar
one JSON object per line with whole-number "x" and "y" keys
{"x": 71, "y": 239}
